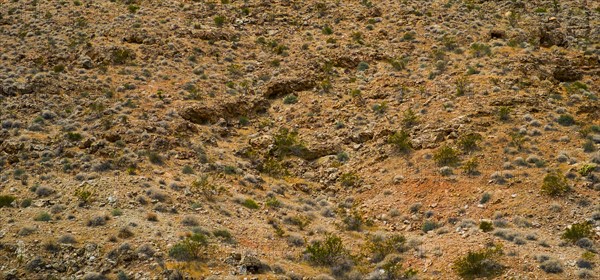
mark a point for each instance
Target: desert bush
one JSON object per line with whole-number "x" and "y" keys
{"x": 155, "y": 158}
{"x": 96, "y": 221}
{"x": 555, "y": 184}
{"x": 250, "y": 203}
{"x": 586, "y": 169}
{"x": 462, "y": 85}
{"x": 401, "y": 141}
{"x": 43, "y": 191}
{"x": 189, "y": 248}
{"x": 272, "y": 167}
{"x": 379, "y": 246}
{"x": 551, "y": 266}
{"x": 42, "y": 217}
{"x": 350, "y": 179}
{"x": 287, "y": 143}
{"x": 485, "y": 198}
{"x": 187, "y": 170}
{"x": 480, "y": 50}
{"x": 486, "y": 226}
{"x": 85, "y": 194}
{"x": 577, "y": 231}
{"x": 290, "y": 99}
{"x": 205, "y": 187}
{"x": 429, "y": 225}
{"x": 391, "y": 269}
{"x": 469, "y": 142}
{"x": 219, "y": 20}
{"x": 409, "y": 118}
{"x": 6, "y": 200}
{"x": 566, "y": 120}
{"x": 273, "y": 202}
{"x": 479, "y": 264}
{"x": 446, "y": 156}
{"x": 504, "y": 113}
{"x": 327, "y": 251}
{"x": 354, "y": 221}
{"x": 67, "y": 239}
{"x": 300, "y": 221}
{"x": 224, "y": 234}
{"x": 470, "y": 166}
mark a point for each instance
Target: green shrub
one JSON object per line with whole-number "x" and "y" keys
{"x": 480, "y": 264}
{"x": 578, "y": 231}
{"x": 446, "y": 156}
{"x": 155, "y": 158}
{"x": 566, "y": 120}
{"x": 469, "y": 142}
{"x": 326, "y": 252}
{"x": 485, "y": 198}
{"x": 73, "y": 136}
{"x": 300, "y": 221}
{"x": 589, "y": 146}
{"x": 189, "y": 248}
{"x": 273, "y": 168}
{"x": 187, "y": 170}
{"x": 205, "y": 187}
{"x": 470, "y": 166}
{"x": 290, "y": 99}
{"x": 555, "y": 184}
{"x": 273, "y": 202}
{"x": 6, "y": 200}
{"x": 287, "y": 143}
{"x": 354, "y": 221}
{"x": 350, "y": 179}
{"x": 381, "y": 246}
{"x": 120, "y": 56}
{"x": 410, "y": 119}
{"x": 362, "y": 66}
{"x": 85, "y": 194}
{"x": 401, "y": 141}
{"x": 327, "y": 30}
{"x": 429, "y": 226}
{"x": 486, "y": 226}
{"x": 249, "y": 203}
{"x": 480, "y": 50}
{"x": 116, "y": 212}
{"x": 380, "y": 108}
{"x": 224, "y": 234}
{"x": 219, "y": 21}
{"x": 392, "y": 267}
{"x": 586, "y": 169}
{"x": 133, "y": 8}
{"x": 462, "y": 84}
{"x": 504, "y": 113}
{"x": 42, "y": 217}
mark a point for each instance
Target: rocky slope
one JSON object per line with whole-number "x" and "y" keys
{"x": 299, "y": 139}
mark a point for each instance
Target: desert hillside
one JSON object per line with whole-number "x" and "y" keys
{"x": 287, "y": 139}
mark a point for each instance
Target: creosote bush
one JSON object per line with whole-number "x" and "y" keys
{"x": 189, "y": 248}
{"x": 479, "y": 264}
{"x": 326, "y": 252}
{"x": 379, "y": 246}
{"x": 6, "y": 200}
{"x": 401, "y": 141}
{"x": 578, "y": 231}
{"x": 446, "y": 156}
{"x": 555, "y": 184}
